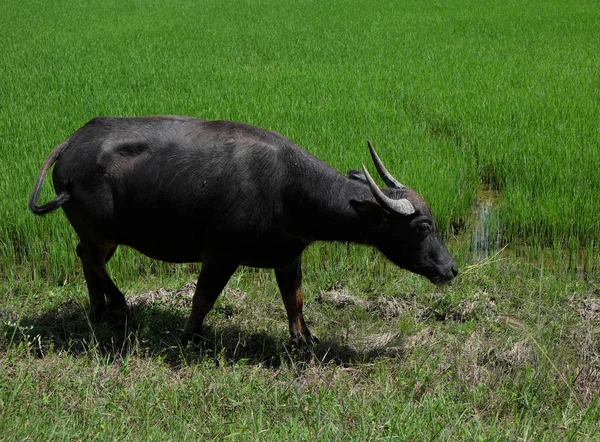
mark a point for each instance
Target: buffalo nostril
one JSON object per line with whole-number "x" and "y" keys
{"x": 454, "y": 270}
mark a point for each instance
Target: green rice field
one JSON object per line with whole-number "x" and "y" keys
{"x": 492, "y": 105}
{"x": 453, "y": 95}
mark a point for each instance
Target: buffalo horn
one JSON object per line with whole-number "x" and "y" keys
{"x": 383, "y": 173}
{"x": 401, "y": 206}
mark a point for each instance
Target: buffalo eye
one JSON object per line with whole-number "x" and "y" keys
{"x": 425, "y": 228}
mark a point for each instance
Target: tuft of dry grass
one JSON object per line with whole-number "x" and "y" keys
{"x": 589, "y": 309}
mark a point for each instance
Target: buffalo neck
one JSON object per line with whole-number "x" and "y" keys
{"x": 324, "y": 212}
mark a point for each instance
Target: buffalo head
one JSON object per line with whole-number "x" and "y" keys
{"x": 402, "y": 227}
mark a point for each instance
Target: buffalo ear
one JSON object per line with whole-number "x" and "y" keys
{"x": 370, "y": 212}
{"x": 354, "y": 174}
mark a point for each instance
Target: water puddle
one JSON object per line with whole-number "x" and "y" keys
{"x": 487, "y": 241}
{"x": 486, "y": 225}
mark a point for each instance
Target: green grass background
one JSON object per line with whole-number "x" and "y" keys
{"x": 453, "y": 94}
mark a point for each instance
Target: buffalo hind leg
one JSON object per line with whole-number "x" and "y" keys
{"x": 94, "y": 257}
{"x": 213, "y": 278}
{"x": 289, "y": 280}
{"x": 116, "y": 299}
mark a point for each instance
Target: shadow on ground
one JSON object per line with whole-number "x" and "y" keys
{"x": 153, "y": 332}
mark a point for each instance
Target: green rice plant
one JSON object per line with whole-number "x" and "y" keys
{"x": 451, "y": 94}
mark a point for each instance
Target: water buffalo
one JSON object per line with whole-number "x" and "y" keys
{"x": 226, "y": 194}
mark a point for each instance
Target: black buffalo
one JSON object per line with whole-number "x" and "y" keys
{"x": 225, "y": 194}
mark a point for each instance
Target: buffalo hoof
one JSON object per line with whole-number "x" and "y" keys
{"x": 115, "y": 316}
{"x": 187, "y": 338}
{"x": 118, "y": 316}
{"x": 97, "y": 315}
{"x": 305, "y": 340}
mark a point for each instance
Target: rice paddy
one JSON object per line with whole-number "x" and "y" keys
{"x": 452, "y": 96}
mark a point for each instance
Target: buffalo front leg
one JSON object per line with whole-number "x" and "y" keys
{"x": 213, "y": 277}
{"x": 93, "y": 257}
{"x": 289, "y": 280}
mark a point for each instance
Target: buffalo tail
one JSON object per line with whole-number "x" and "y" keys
{"x": 61, "y": 198}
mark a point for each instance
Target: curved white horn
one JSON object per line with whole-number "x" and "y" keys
{"x": 383, "y": 173}
{"x": 401, "y": 206}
